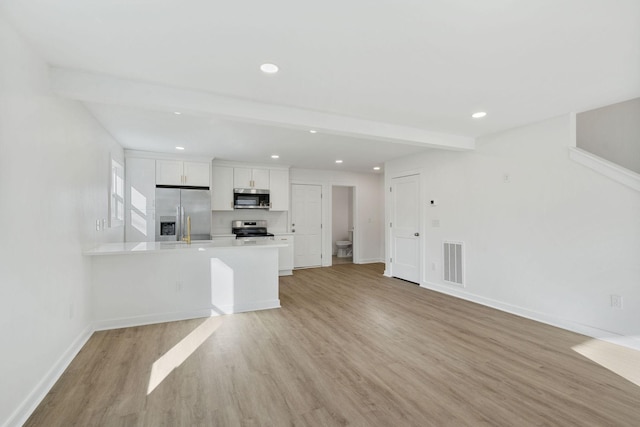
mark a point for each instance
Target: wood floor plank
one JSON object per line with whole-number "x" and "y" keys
{"x": 348, "y": 347}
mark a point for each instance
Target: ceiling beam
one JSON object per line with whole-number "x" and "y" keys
{"x": 100, "y": 88}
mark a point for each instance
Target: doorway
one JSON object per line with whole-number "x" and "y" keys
{"x": 342, "y": 229}
{"x": 306, "y": 224}
{"x": 405, "y": 228}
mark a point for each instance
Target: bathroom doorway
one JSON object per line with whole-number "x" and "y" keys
{"x": 342, "y": 230}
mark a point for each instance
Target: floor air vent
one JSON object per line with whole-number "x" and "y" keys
{"x": 453, "y": 256}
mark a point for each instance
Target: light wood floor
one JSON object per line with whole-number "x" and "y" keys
{"x": 336, "y": 261}
{"x": 348, "y": 347}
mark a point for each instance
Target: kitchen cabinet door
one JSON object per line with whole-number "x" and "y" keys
{"x": 279, "y": 189}
{"x": 242, "y": 178}
{"x": 251, "y": 178}
{"x": 260, "y": 178}
{"x": 196, "y": 174}
{"x": 222, "y": 188}
{"x": 169, "y": 172}
{"x": 285, "y": 255}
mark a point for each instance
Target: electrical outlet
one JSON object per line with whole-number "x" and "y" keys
{"x": 616, "y": 301}
{"x": 178, "y": 286}
{"x": 97, "y": 225}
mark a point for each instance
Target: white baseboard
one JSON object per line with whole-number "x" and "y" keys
{"x": 24, "y": 411}
{"x": 369, "y": 261}
{"x": 590, "y": 331}
{"x": 260, "y": 305}
{"x": 129, "y": 322}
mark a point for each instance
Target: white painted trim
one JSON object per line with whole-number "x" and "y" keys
{"x": 369, "y": 261}
{"x": 256, "y": 306}
{"x": 455, "y": 291}
{"x": 233, "y": 164}
{"x": 105, "y": 89}
{"x": 129, "y": 154}
{"x": 129, "y": 322}
{"x": 611, "y": 170}
{"x": 24, "y": 411}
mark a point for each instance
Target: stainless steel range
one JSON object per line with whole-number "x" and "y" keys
{"x": 251, "y": 230}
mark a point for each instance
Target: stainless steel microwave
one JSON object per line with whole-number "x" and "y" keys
{"x": 251, "y": 198}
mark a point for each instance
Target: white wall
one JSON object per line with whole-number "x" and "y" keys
{"x": 368, "y": 206}
{"x": 553, "y": 243}
{"x": 341, "y": 215}
{"x": 54, "y": 175}
{"x": 277, "y": 222}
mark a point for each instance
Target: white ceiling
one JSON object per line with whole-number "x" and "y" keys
{"x": 419, "y": 65}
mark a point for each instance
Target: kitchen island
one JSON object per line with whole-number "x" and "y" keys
{"x": 141, "y": 283}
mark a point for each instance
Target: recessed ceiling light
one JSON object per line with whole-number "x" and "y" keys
{"x": 269, "y": 68}
{"x": 313, "y": 131}
{"x": 179, "y": 148}
{"x": 338, "y": 161}
{"x": 275, "y": 156}
{"x": 376, "y": 168}
{"x": 478, "y": 115}
{"x": 177, "y": 113}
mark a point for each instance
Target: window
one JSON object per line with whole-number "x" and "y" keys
{"x": 116, "y": 201}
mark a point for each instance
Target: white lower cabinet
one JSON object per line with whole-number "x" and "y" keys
{"x": 285, "y": 255}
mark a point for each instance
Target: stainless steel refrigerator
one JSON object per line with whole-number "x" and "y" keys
{"x": 174, "y": 205}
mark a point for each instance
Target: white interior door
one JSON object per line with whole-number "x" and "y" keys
{"x": 306, "y": 223}
{"x": 405, "y": 228}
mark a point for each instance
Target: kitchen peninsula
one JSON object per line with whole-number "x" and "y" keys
{"x": 150, "y": 282}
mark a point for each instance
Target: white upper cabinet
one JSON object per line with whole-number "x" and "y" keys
{"x": 168, "y": 172}
{"x": 222, "y": 188}
{"x": 251, "y": 178}
{"x": 279, "y": 189}
{"x": 197, "y": 174}
{"x": 229, "y": 175}
{"x": 176, "y": 172}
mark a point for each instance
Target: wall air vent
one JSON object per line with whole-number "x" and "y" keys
{"x": 453, "y": 256}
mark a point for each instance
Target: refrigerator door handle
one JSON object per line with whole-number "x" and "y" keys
{"x": 178, "y": 227}
{"x": 182, "y": 224}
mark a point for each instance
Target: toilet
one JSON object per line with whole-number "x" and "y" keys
{"x": 344, "y": 246}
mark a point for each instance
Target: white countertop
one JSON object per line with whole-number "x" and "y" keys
{"x": 167, "y": 247}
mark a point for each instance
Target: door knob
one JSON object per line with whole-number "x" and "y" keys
{"x": 416, "y": 234}
{"x": 293, "y": 230}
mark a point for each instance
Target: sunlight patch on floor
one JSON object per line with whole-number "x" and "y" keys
{"x": 621, "y": 360}
{"x": 173, "y": 358}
